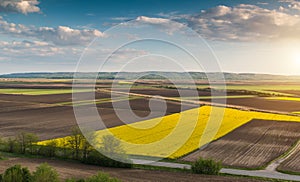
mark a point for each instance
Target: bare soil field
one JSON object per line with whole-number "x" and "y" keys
{"x": 265, "y": 104}
{"x": 291, "y": 164}
{"x": 252, "y": 145}
{"x": 45, "y": 122}
{"x": 176, "y": 93}
{"x": 40, "y": 115}
{"x": 53, "y": 122}
{"x": 74, "y": 170}
{"x": 54, "y": 98}
{"x": 51, "y": 98}
{"x": 144, "y": 104}
{"x": 8, "y": 106}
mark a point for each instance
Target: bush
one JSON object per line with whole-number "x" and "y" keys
{"x": 48, "y": 150}
{"x": 206, "y": 166}
{"x": 10, "y": 145}
{"x": 26, "y": 141}
{"x": 75, "y": 180}
{"x": 44, "y": 173}
{"x": 97, "y": 158}
{"x": 101, "y": 177}
{"x": 16, "y": 174}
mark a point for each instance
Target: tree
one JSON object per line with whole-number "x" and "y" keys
{"x": 26, "y": 140}
{"x": 45, "y": 173}
{"x": 49, "y": 149}
{"x": 75, "y": 141}
{"x": 206, "y": 166}
{"x": 2, "y": 144}
{"x": 16, "y": 174}
{"x": 11, "y": 144}
{"x": 111, "y": 147}
{"x": 64, "y": 147}
{"x": 86, "y": 146}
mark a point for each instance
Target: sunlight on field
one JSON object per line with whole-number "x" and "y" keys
{"x": 218, "y": 97}
{"x": 170, "y": 131}
{"x": 266, "y": 89}
{"x": 284, "y": 98}
{"x": 39, "y": 91}
{"x": 96, "y": 101}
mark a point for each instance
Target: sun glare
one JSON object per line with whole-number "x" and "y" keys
{"x": 296, "y": 57}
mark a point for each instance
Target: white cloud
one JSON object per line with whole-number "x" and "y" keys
{"x": 62, "y": 35}
{"x": 245, "y": 23}
{"x": 121, "y": 18}
{"x": 20, "y": 6}
{"x": 263, "y": 3}
{"x": 127, "y": 54}
{"x": 163, "y": 24}
{"x": 29, "y": 48}
{"x": 292, "y": 4}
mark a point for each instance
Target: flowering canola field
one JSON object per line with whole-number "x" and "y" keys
{"x": 178, "y": 134}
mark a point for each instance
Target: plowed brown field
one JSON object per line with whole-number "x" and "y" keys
{"x": 252, "y": 145}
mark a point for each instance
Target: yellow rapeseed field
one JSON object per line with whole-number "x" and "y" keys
{"x": 178, "y": 134}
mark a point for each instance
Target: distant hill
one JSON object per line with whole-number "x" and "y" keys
{"x": 152, "y": 75}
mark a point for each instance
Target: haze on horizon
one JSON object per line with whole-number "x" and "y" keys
{"x": 246, "y": 36}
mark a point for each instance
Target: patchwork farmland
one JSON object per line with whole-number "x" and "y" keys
{"x": 254, "y": 137}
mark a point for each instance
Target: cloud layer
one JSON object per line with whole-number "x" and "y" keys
{"x": 161, "y": 23}
{"x": 60, "y": 35}
{"x": 20, "y": 6}
{"x": 245, "y": 23}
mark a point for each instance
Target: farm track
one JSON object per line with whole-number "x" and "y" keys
{"x": 67, "y": 169}
{"x": 252, "y": 173}
{"x": 276, "y": 163}
{"x": 291, "y": 162}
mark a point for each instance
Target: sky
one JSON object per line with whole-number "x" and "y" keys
{"x": 150, "y": 35}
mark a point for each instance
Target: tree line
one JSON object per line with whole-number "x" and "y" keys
{"x": 75, "y": 147}
{"x": 45, "y": 173}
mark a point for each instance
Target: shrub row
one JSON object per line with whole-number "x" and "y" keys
{"x": 45, "y": 173}
{"x": 76, "y": 148}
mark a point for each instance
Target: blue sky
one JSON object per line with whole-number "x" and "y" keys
{"x": 245, "y": 36}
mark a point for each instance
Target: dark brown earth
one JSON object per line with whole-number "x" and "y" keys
{"x": 52, "y": 98}
{"x": 77, "y": 170}
{"x": 291, "y": 164}
{"x": 252, "y": 145}
{"x": 41, "y": 115}
{"x": 181, "y": 92}
{"x": 262, "y": 103}
{"x": 143, "y": 104}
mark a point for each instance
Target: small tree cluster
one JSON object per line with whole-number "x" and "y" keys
{"x": 100, "y": 177}
{"x": 76, "y": 146}
{"x": 206, "y": 166}
{"x": 22, "y": 143}
{"x": 45, "y": 173}
{"x": 17, "y": 173}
